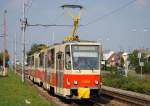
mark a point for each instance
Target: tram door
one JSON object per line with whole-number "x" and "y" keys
{"x": 36, "y": 61}
{"x": 45, "y": 68}
{"x": 59, "y": 71}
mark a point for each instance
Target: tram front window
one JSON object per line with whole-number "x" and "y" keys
{"x": 85, "y": 57}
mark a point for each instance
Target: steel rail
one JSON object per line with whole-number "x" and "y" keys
{"x": 127, "y": 96}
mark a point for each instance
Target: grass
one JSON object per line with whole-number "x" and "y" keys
{"x": 14, "y": 93}
{"x": 131, "y": 83}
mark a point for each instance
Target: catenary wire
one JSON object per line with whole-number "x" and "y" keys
{"x": 110, "y": 13}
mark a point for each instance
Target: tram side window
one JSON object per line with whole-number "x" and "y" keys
{"x": 32, "y": 61}
{"x": 60, "y": 61}
{"x": 46, "y": 61}
{"x": 51, "y": 58}
{"x": 36, "y": 62}
{"x": 41, "y": 56}
{"x": 67, "y": 58}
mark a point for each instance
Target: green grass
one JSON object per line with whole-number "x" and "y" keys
{"x": 14, "y": 93}
{"x": 131, "y": 83}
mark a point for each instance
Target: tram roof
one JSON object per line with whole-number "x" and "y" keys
{"x": 77, "y": 42}
{"x": 82, "y": 42}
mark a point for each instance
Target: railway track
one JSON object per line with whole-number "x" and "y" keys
{"x": 117, "y": 97}
{"x": 126, "y": 97}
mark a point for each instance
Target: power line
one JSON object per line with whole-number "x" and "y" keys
{"x": 42, "y": 25}
{"x": 111, "y": 12}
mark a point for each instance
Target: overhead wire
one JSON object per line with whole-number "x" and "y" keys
{"x": 110, "y": 13}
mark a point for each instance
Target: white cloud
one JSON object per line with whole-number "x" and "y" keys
{"x": 145, "y": 30}
{"x": 134, "y": 30}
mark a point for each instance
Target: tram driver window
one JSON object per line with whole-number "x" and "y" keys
{"x": 68, "y": 58}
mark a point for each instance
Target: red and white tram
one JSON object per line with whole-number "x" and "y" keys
{"x": 69, "y": 69}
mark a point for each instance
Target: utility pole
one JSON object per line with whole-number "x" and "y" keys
{"x": 5, "y": 42}
{"x": 24, "y": 23}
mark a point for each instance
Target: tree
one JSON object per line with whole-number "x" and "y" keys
{"x": 36, "y": 48}
{"x": 133, "y": 57}
{"x": 134, "y": 62}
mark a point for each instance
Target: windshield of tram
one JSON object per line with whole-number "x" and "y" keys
{"x": 85, "y": 57}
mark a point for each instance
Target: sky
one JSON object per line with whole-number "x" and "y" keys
{"x": 117, "y": 24}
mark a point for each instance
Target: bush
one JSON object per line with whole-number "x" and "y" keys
{"x": 129, "y": 83}
{"x": 145, "y": 68}
{"x": 111, "y": 69}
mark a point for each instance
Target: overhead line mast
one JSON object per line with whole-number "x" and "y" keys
{"x": 5, "y": 42}
{"x": 24, "y": 24}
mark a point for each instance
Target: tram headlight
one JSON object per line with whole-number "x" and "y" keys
{"x": 75, "y": 82}
{"x": 96, "y": 82}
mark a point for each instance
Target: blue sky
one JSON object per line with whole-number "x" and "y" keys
{"x": 126, "y": 29}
